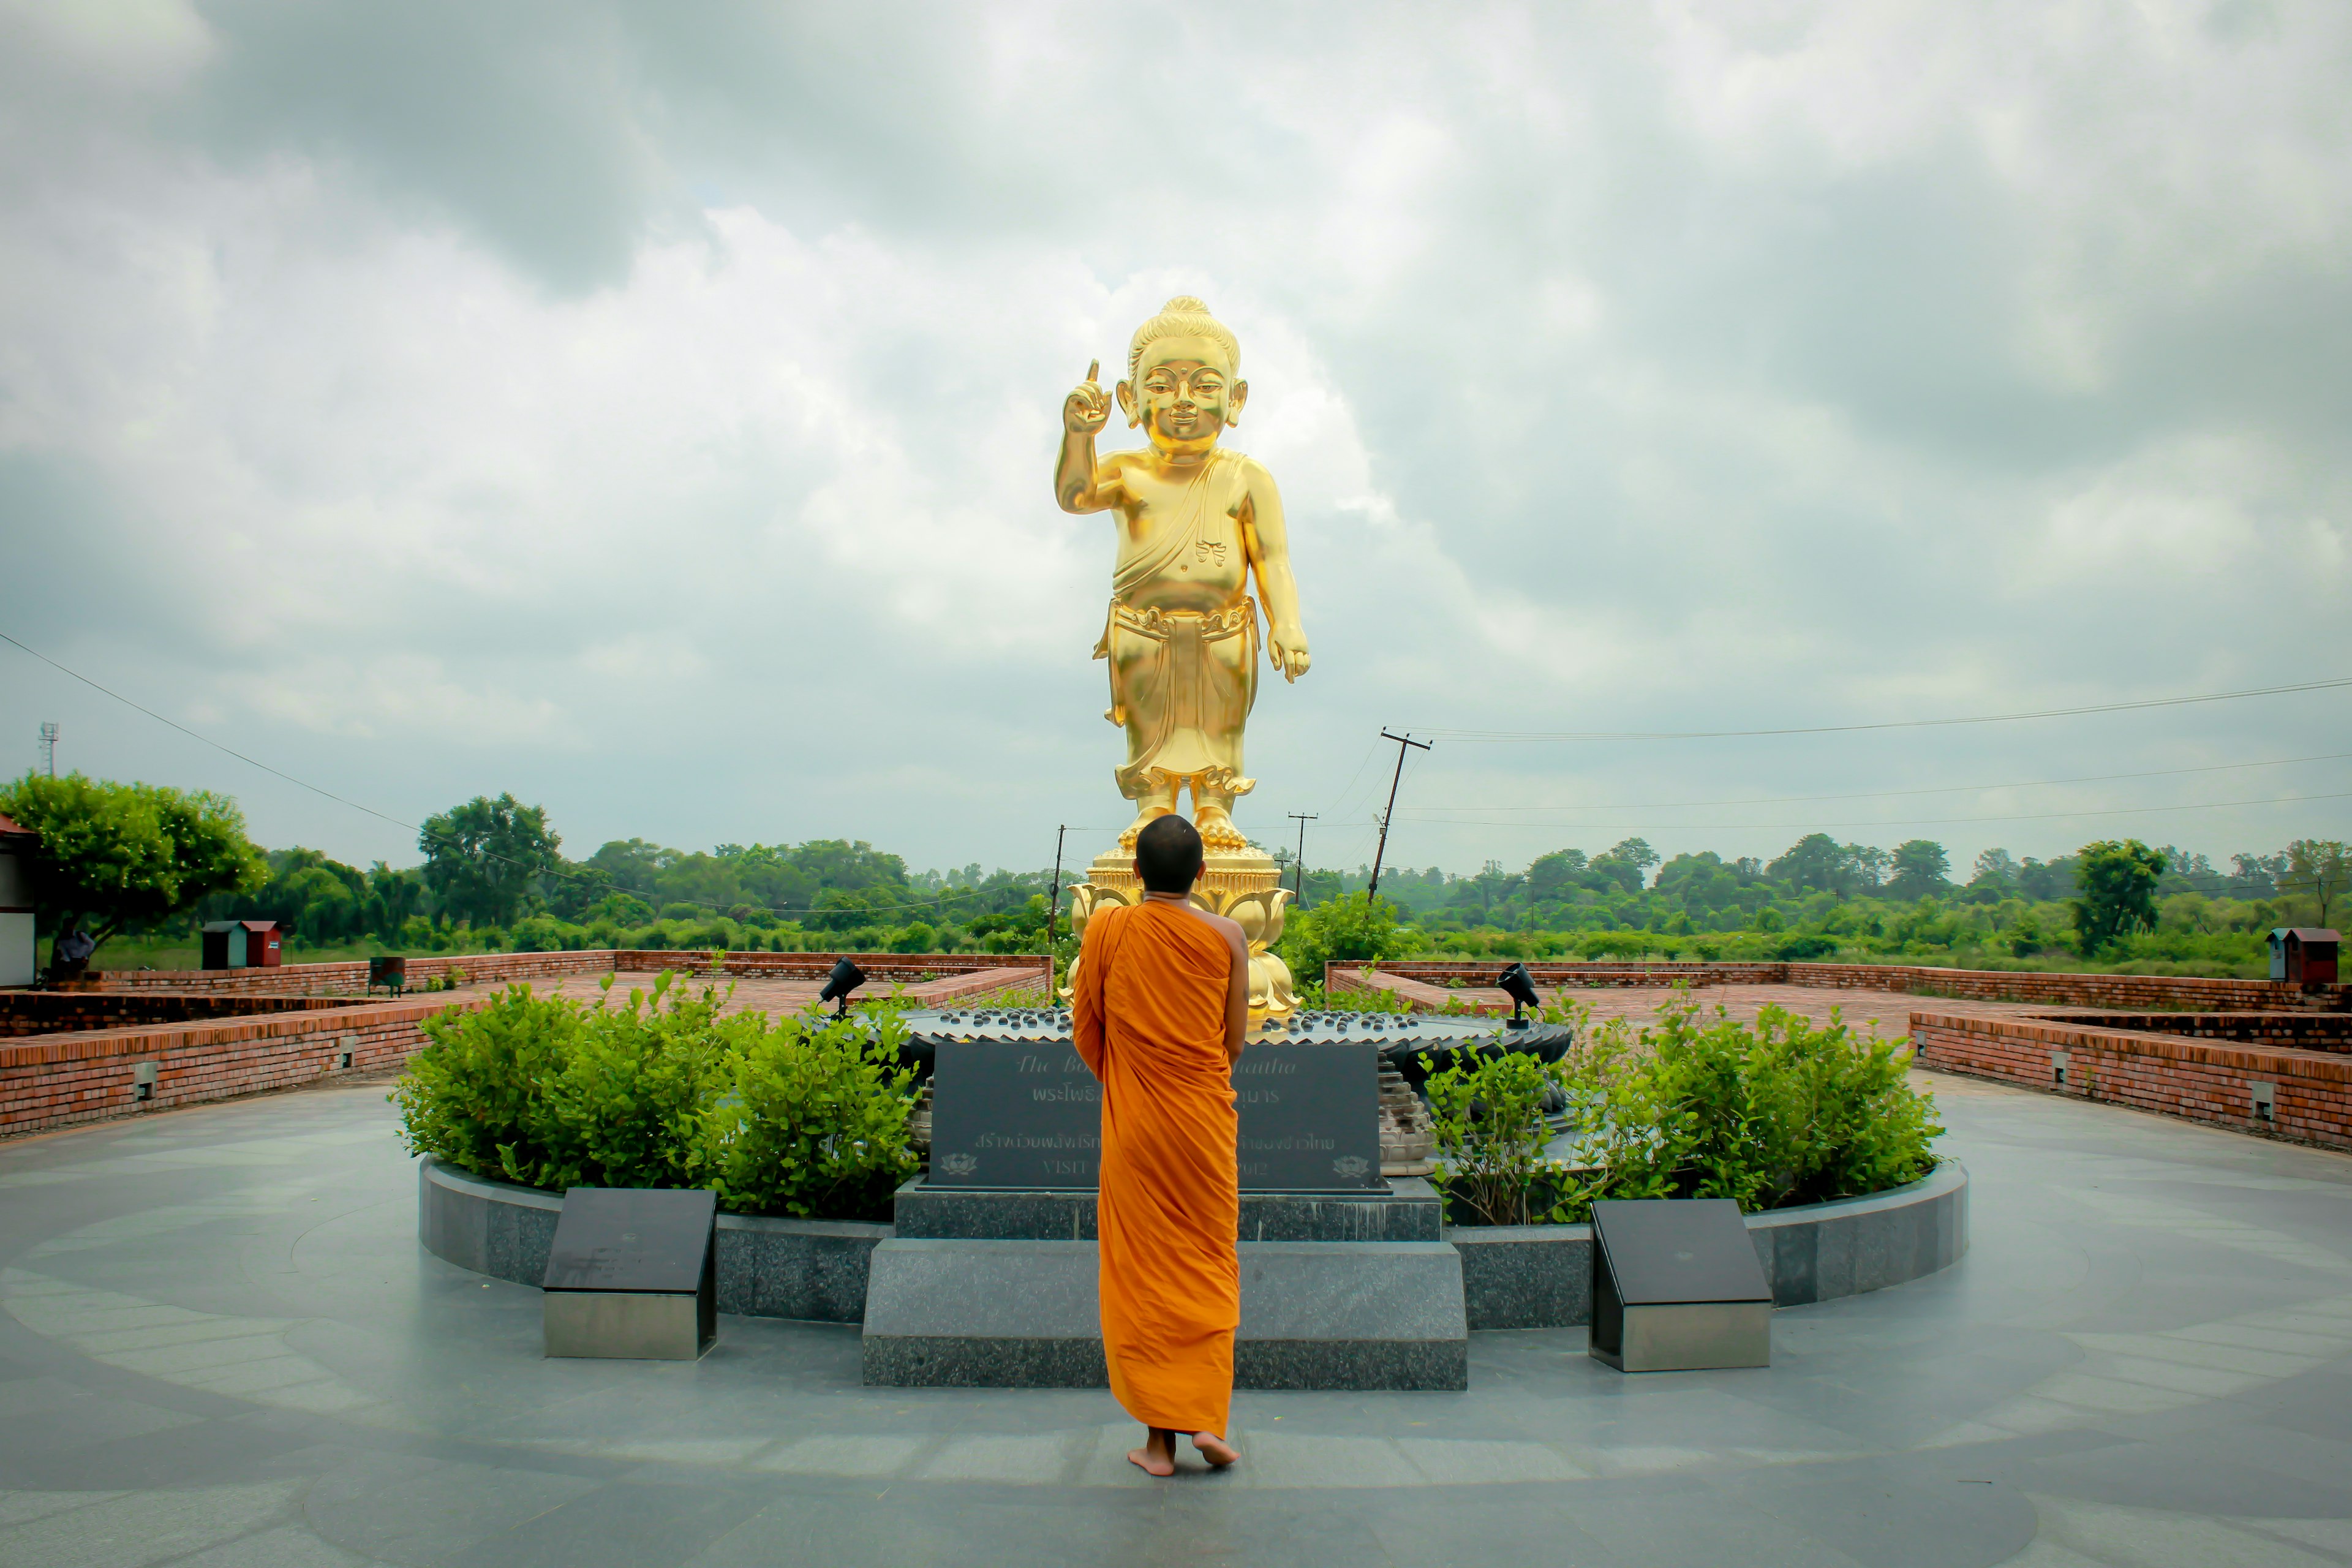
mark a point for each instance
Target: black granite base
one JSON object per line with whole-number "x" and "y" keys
{"x": 808, "y": 1268}
{"x": 1408, "y": 1211}
{"x": 1345, "y": 1365}
{"x": 1441, "y": 1366}
{"x": 935, "y": 1363}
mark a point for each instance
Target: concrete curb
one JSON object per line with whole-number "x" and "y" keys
{"x": 809, "y": 1269}
{"x": 1541, "y": 1276}
{"x": 1512, "y": 1277}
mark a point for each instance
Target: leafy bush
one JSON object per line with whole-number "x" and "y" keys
{"x": 1490, "y": 1139}
{"x": 1780, "y": 1112}
{"x": 814, "y": 1123}
{"x": 805, "y": 1117}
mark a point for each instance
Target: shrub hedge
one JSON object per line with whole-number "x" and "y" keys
{"x": 803, "y": 1115}
{"x": 1776, "y": 1113}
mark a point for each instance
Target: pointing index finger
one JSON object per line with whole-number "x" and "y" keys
{"x": 1094, "y": 369}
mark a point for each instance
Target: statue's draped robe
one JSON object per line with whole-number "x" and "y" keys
{"x": 1183, "y": 683}
{"x": 1149, "y": 1016}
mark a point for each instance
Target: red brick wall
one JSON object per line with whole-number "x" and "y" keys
{"x": 2307, "y": 1031}
{"x": 49, "y": 1080}
{"x": 2120, "y": 992}
{"x": 67, "y": 1011}
{"x": 2203, "y": 1081}
{"x": 349, "y": 979}
{"x": 496, "y": 968}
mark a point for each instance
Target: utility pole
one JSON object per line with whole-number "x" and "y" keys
{"x": 49, "y": 746}
{"x": 1303, "y": 818}
{"x": 1403, "y": 742}
{"x": 1053, "y": 910}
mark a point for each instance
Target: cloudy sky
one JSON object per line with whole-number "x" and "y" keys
{"x": 650, "y": 410}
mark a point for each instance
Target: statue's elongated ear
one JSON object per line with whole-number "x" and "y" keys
{"x": 1127, "y": 405}
{"x": 1233, "y": 401}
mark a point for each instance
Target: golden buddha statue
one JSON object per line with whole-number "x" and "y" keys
{"x": 1182, "y": 632}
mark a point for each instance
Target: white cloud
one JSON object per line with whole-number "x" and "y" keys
{"x": 663, "y": 430}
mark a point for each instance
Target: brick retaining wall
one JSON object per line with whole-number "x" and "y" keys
{"x": 350, "y": 978}
{"x": 2202, "y": 1081}
{"x": 53, "y": 1079}
{"x": 1423, "y": 982}
{"x": 67, "y": 1011}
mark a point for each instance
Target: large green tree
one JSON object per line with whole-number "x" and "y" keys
{"x": 2319, "y": 870}
{"x": 1920, "y": 865}
{"x": 484, "y": 859}
{"x": 2118, "y": 879}
{"x": 118, "y": 855}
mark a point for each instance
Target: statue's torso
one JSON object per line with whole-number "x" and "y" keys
{"x": 1210, "y": 571}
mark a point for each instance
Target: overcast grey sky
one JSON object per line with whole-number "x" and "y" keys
{"x": 650, "y": 410}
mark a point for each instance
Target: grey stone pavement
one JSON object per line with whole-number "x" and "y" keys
{"x": 222, "y": 1345}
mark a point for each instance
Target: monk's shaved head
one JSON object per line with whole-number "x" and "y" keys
{"x": 1168, "y": 855}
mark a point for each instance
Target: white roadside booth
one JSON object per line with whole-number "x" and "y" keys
{"x": 18, "y": 847}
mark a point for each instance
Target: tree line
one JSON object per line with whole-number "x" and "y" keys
{"x": 148, "y": 860}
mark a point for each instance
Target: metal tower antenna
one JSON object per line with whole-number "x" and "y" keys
{"x": 49, "y": 746}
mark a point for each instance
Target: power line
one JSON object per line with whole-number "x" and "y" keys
{"x": 599, "y": 876}
{"x": 1421, "y": 816}
{"x": 1897, "y": 822}
{"x": 1515, "y": 735}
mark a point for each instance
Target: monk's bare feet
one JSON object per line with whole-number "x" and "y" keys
{"x": 1158, "y": 1455}
{"x": 1214, "y": 1448}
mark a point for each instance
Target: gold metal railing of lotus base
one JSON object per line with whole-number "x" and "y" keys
{"x": 1244, "y": 885}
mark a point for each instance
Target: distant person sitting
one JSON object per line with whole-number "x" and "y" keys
{"x": 1160, "y": 1004}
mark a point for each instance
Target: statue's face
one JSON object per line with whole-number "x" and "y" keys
{"x": 1184, "y": 394}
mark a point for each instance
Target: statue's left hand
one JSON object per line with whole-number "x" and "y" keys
{"x": 1288, "y": 648}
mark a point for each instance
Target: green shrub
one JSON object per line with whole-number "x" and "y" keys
{"x": 1490, "y": 1139}
{"x": 803, "y": 1117}
{"x": 814, "y": 1122}
{"x": 1780, "y": 1112}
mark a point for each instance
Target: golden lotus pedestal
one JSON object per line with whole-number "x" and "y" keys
{"x": 1244, "y": 885}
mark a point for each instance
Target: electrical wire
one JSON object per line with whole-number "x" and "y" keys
{"x": 1487, "y": 736}
{"x": 1897, "y": 822}
{"x": 534, "y": 867}
{"x": 1893, "y": 793}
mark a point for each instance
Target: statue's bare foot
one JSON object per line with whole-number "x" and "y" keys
{"x": 1144, "y": 819}
{"x": 1215, "y": 1449}
{"x": 1158, "y": 1455}
{"x": 1217, "y": 830}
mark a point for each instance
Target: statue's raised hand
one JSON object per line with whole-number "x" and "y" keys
{"x": 1088, "y": 408}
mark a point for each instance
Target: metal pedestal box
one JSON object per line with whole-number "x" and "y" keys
{"x": 633, "y": 1273}
{"x": 1676, "y": 1286}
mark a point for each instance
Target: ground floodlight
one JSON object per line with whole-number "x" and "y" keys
{"x": 1520, "y": 987}
{"x": 846, "y": 978}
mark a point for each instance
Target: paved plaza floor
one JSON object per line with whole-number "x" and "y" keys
{"x": 221, "y": 1345}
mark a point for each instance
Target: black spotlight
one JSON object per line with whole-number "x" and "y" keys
{"x": 846, "y": 978}
{"x": 1520, "y": 987}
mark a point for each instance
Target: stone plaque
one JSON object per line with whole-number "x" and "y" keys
{"x": 1310, "y": 1117}
{"x": 1014, "y": 1114}
{"x": 1027, "y": 1114}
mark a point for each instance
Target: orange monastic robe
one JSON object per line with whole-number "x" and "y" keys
{"x": 1148, "y": 1015}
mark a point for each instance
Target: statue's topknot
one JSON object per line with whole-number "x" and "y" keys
{"x": 1184, "y": 317}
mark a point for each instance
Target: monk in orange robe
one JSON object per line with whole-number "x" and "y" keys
{"x": 1160, "y": 1003}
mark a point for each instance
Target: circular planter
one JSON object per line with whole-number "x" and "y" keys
{"x": 1541, "y": 1276}
{"x": 812, "y": 1269}
{"x": 1512, "y": 1277}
